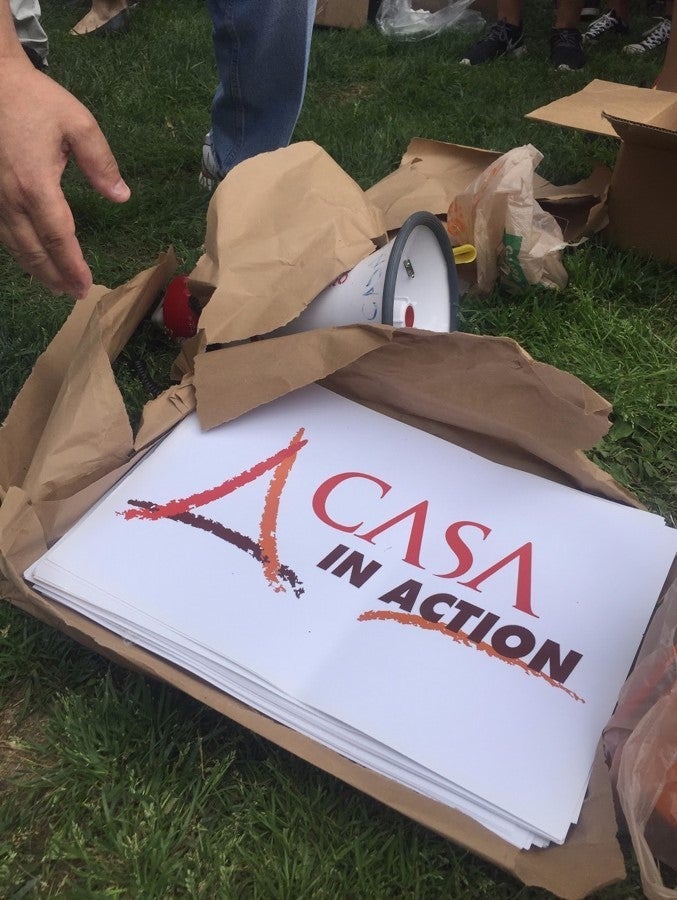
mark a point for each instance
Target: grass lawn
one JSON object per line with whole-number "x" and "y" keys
{"x": 113, "y": 786}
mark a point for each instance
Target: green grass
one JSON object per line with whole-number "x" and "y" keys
{"x": 113, "y": 786}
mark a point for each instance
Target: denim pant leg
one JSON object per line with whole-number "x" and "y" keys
{"x": 262, "y": 49}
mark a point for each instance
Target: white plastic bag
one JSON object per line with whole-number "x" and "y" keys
{"x": 399, "y": 19}
{"x": 517, "y": 242}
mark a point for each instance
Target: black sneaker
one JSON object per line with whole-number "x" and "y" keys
{"x": 566, "y": 49}
{"x": 38, "y": 60}
{"x": 502, "y": 39}
{"x": 609, "y": 23}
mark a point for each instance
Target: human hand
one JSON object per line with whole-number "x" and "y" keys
{"x": 41, "y": 126}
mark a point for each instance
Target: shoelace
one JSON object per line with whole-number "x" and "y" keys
{"x": 603, "y": 24}
{"x": 657, "y": 35}
{"x": 568, "y": 37}
{"x": 499, "y": 33}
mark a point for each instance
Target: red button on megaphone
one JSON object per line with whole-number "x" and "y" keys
{"x": 179, "y": 310}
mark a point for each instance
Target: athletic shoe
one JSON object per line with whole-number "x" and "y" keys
{"x": 503, "y": 39}
{"x": 653, "y": 38}
{"x": 609, "y": 23}
{"x": 566, "y": 49}
{"x": 39, "y": 61}
{"x": 209, "y": 173}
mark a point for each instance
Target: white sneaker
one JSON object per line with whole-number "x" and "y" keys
{"x": 654, "y": 38}
{"x": 209, "y": 172}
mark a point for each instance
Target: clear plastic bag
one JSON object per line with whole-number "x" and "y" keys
{"x": 517, "y": 242}
{"x": 640, "y": 743}
{"x": 399, "y": 19}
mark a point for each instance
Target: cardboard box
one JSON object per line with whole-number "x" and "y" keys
{"x": 342, "y": 13}
{"x": 667, "y": 79}
{"x": 67, "y": 438}
{"x": 452, "y": 384}
{"x": 356, "y": 13}
{"x": 643, "y": 193}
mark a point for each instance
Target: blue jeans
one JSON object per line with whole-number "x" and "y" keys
{"x": 262, "y": 49}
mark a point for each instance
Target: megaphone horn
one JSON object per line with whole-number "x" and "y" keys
{"x": 410, "y": 282}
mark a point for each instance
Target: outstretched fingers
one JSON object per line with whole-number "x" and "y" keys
{"x": 95, "y": 160}
{"x": 40, "y": 235}
{"x": 41, "y": 125}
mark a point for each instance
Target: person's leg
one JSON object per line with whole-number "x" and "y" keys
{"x": 568, "y": 14}
{"x": 26, "y": 15}
{"x": 105, "y": 17}
{"x": 510, "y": 11}
{"x": 262, "y": 49}
{"x": 506, "y": 36}
{"x": 566, "y": 42}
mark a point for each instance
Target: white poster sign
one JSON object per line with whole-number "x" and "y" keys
{"x": 455, "y": 624}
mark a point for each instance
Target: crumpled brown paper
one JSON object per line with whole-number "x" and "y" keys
{"x": 68, "y": 421}
{"x": 432, "y": 173}
{"x": 280, "y": 228}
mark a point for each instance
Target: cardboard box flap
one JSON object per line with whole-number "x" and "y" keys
{"x": 666, "y": 118}
{"x": 593, "y": 187}
{"x": 585, "y": 109}
{"x": 587, "y": 856}
{"x": 647, "y": 135}
{"x": 32, "y": 406}
{"x": 438, "y": 156}
{"x": 457, "y": 163}
{"x": 342, "y": 13}
{"x": 580, "y": 209}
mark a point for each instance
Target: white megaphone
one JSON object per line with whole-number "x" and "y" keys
{"x": 410, "y": 282}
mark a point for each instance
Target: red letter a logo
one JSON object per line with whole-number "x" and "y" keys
{"x": 265, "y": 549}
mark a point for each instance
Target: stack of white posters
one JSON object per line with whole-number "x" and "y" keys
{"x": 456, "y": 625}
